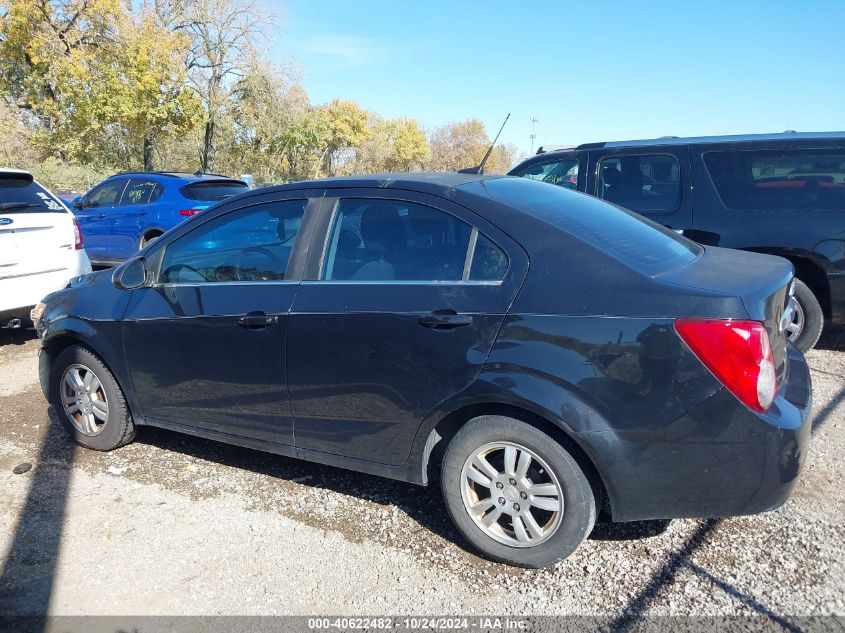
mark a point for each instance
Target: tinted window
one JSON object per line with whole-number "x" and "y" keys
{"x": 560, "y": 172}
{"x": 641, "y": 183}
{"x": 251, "y": 244}
{"x": 106, "y": 195}
{"x": 635, "y": 240}
{"x": 20, "y": 194}
{"x": 391, "y": 240}
{"x": 213, "y": 191}
{"x": 798, "y": 180}
{"x": 140, "y": 191}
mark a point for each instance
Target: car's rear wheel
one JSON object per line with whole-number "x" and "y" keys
{"x": 807, "y": 318}
{"x": 515, "y": 493}
{"x": 148, "y": 237}
{"x": 88, "y": 400}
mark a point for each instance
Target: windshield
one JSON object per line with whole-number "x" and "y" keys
{"x": 19, "y": 193}
{"x": 626, "y": 236}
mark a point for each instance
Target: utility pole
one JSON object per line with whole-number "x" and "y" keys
{"x": 533, "y": 135}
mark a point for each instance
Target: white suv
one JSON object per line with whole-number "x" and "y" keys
{"x": 40, "y": 245}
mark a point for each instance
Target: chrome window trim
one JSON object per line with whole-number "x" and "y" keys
{"x": 400, "y": 282}
{"x": 224, "y": 283}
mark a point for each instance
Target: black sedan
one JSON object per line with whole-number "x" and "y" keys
{"x": 546, "y": 356}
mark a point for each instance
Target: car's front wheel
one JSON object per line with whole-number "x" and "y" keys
{"x": 88, "y": 400}
{"x": 515, "y": 493}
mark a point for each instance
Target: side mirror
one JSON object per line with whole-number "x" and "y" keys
{"x": 76, "y": 203}
{"x": 130, "y": 275}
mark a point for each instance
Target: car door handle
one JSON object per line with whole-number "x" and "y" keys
{"x": 445, "y": 319}
{"x": 257, "y": 320}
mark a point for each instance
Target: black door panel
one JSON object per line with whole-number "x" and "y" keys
{"x": 193, "y": 362}
{"x": 368, "y": 359}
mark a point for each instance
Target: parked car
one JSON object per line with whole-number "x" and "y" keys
{"x": 782, "y": 194}
{"x": 542, "y": 353}
{"x": 40, "y": 246}
{"x": 124, "y": 212}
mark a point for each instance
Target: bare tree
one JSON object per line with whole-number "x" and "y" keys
{"x": 225, "y": 35}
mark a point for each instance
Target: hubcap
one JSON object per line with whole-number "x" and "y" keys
{"x": 84, "y": 400}
{"x": 511, "y": 494}
{"x": 796, "y": 325}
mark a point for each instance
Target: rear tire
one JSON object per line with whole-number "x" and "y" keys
{"x": 546, "y": 498}
{"x": 149, "y": 237}
{"x": 812, "y": 318}
{"x": 92, "y": 407}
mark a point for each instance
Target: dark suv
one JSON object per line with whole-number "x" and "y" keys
{"x": 782, "y": 194}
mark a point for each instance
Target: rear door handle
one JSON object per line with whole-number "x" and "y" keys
{"x": 257, "y": 320}
{"x": 445, "y": 319}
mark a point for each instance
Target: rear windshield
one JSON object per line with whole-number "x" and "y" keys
{"x": 20, "y": 194}
{"x": 213, "y": 191}
{"x": 630, "y": 238}
{"x": 779, "y": 180}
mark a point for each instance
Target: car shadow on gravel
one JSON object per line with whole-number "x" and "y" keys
{"x": 17, "y": 336}
{"x": 832, "y": 338}
{"x": 29, "y": 569}
{"x": 422, "y": 504}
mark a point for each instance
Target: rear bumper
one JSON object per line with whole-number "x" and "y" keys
{"x": 18, "y": 294}
{"x": 721, "y": 459}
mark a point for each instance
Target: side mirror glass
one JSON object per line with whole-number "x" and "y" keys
{"x": 76, "y": 203}
{"x": 133, "y": 274}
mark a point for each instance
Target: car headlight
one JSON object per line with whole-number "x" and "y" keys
{"x": 36, "y": 312}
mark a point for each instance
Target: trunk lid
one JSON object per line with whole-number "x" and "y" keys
{"x": 761, "y": 282}
{"x": 36, "y": 230}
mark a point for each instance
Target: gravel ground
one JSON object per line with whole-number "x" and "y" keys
{"x": 177, "y": 525}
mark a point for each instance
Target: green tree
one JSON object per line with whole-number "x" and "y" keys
{"x": 346, "y": 124}
{"x": 146, "y": 84}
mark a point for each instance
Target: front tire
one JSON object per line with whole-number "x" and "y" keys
{"x": 515, "y": 493}
{"x": 807, "y": 323}
{"x": 88, "y": 400}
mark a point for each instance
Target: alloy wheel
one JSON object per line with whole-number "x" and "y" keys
{"x": 511, "y": 494}
{"x": 84, "y": 400}
{"x": 794, "y": 328}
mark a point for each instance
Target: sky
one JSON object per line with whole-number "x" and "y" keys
{"x": 589, "y": 71}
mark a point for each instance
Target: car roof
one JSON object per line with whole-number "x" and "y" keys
{"x": 426, "y": 182}
{"x": 16, "y": 172}
{"x": 194, "y": 177}
{"x": 701, "y": 140}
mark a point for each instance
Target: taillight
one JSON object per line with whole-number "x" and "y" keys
{"x": 77, "y": 236}
{"x": 739, "y": 355}
{"x": 189, "y": 212}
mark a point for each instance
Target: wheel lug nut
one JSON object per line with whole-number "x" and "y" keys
{"x": 523, "y": 495}
{"x": 499, "y": 485}
{"x": 501, "y": 501}
{"x": 512, "y": 481}
{"x": 516, "y": 507}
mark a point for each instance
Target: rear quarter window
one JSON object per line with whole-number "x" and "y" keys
{"x": 626, "y": 236}
{"x": 213, "y": 191}
{"x": 19, "y": 193}
{"x": 778, "y": 179}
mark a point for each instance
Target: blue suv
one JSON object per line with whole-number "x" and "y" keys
{"x": 124, "y": 212}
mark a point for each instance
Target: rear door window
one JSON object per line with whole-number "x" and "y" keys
{"x": 563, "y": 172}
{"x": 394, "y": 240}
{"x": 643, "y": 183}
{"x": 779, "y": 180}
{"x": 19, "y": 193}
{"x": 213, "y": 191}
{"x": 141, "y": 191}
